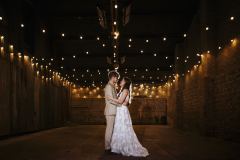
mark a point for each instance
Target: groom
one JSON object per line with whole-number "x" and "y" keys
{"x": 111, "y": 107}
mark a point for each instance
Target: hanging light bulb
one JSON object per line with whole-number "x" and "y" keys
{"x": 232, "y": 18}
{"x": 115, "y": 35}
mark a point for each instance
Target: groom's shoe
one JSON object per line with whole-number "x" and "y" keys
{"x": 107, "y": 151}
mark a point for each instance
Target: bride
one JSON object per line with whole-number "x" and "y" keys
{"x": 124, "y": 140}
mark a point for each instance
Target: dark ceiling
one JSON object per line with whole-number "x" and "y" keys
{"x": 150, "y": 20}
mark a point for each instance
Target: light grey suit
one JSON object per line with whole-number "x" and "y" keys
{"x": 109, "y": 112}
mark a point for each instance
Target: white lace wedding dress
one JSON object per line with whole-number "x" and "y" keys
{"x": 124, "y": 140}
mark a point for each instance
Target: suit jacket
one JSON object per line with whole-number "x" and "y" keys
{"x": 111, "y": 107}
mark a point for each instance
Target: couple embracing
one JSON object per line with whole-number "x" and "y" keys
{"x": 120, "y": 137}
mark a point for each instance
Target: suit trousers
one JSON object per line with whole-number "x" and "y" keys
{"x": 109, "y": 130}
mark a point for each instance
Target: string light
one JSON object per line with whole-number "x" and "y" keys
{"x": 22, "y": 25}
{"x": 207, "y": 28}
{"x": 164, "y": 38}
{"x": 185, "y": 35}
{"x": 81, "y": 37}
{"x": 115, "y": 35}
{"x": 98, "y": 38}
{"x": 1, "y": 18}
{"x": 115, "y": 6}
{"x": 63, "y": 35}
{"x": 232, "y": 18}
{"x": 147, "y": 40}
{"x": 43, "y": 31}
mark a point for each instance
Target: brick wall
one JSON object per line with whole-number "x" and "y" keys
{"x": 207, "y": 99}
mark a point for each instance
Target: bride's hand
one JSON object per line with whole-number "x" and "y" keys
{"x": 108, "y": 97}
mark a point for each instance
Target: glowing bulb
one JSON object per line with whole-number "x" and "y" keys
{"x": 129, "y": 46}
{"x": 115, "y": 23}
{"x": 81, "y": 37}
{"x": 115, "y": 35}
{"x": 22, "y": 25}
{"x": 232, "y": 18}
{"x": 147, "y": 40}
{"x": 63, "y": 35}
{"x": 43, "y": 31}
{"x": 141, "y": 51}
{"x": 164, "y": 38}
{"x": 185, "y": 35}
{"x": 1, "y": 18}
{"x": 207, "y": 28}
{"x": 74, "y": 56}
{"x": 130, "y": 40}
{"x": 154, "y": 54}
{"x": 166, "y": 57}
{"x": 115, "y": 6}
{"x": 98, "y": 38}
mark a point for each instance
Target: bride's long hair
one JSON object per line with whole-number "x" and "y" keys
{"x": 128, "y": 86}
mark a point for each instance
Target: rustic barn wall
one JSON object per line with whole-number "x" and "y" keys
{"x": 142, "y": 110}
{"x": 28, "y": 103}
{"x": 206, "y": 100}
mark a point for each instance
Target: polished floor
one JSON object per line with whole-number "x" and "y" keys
{"x": 86, "y": 142}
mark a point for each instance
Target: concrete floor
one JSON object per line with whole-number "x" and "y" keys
{"x": 86, "y": 142}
